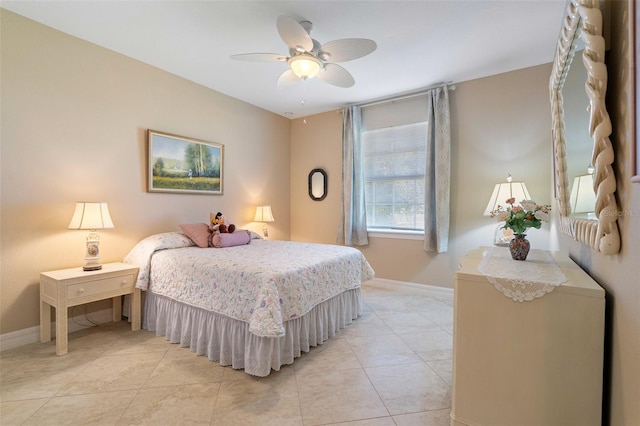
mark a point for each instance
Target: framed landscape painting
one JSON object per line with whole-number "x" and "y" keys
{"x": 184, "y": 165}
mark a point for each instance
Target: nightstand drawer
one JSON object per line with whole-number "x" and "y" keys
{"x": 89, "y": 288}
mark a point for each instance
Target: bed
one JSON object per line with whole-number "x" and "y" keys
{"x": 255, "y": 306}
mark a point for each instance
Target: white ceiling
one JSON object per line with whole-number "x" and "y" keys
{"x": 420, "y": 43}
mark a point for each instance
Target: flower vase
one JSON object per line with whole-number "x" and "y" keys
{"x": 519, "y": 247}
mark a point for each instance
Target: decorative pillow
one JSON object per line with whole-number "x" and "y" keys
{"x": 238, "y": 238}
{"x": 197, "y": 232}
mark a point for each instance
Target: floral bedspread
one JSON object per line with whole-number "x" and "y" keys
{"x": 265, "y": 283}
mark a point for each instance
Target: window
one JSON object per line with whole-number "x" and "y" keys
{"x": 394, "y": 161}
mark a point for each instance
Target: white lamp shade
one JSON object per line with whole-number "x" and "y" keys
{"x": 583, "y": 197}
{"x": 263, "y": 214}
{"x": 305, "y": 66}
{"x": 503, "y": 191}
{"x": 91, "y": 215}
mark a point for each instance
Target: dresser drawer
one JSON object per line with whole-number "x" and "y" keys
{"x": 90, "y": 288}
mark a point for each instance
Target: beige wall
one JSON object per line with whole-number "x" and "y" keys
{"x": 619, "y": 274}
{"x": 74, "y": 117}
{"x": 499, "y": 124}
{"x": 316, "y": 144}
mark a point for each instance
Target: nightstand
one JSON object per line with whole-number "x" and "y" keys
{"x": 70, "y": 287}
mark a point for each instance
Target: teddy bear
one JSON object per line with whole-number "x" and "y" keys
{"x": 218, "y": 224}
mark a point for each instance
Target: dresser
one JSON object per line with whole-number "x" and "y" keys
{"x": 532, "y": 362}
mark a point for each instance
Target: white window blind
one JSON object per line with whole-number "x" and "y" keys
{"x": 394, "y": 161}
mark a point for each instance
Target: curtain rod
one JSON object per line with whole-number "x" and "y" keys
{"x": 406, "y": 96}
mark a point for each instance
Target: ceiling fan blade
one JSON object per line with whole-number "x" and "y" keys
{"x": 260, "y": 57}
{"x": 287, "y": 78}
{"x": 293, "y": 34}
{"x": 346, "y": 49}
{"x": 336, "y": 75}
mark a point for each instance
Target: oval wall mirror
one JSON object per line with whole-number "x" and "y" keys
{"x": 317, "y": 184}
{"x": 582, "y": 27}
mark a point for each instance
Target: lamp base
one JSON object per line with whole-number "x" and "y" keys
{"x": 92, "y": 267}
{"x": 93, "y": 253}
{"x": 265, "y": 231}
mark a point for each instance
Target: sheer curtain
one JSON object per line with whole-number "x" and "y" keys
{"x": 437, "y": 173}
{"x": 353, "y": 219}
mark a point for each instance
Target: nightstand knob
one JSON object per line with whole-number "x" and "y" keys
{"x": 123, "y": 283}
{"x": 81, "y": 290}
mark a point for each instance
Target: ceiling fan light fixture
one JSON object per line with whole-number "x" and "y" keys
{"x": 308, "y": 58}
{"x": 305, "y": 65}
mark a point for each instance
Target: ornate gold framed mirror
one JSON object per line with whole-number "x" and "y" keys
{"x": 582, "y": 27}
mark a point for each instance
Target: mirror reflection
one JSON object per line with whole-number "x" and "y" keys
{"x": 579, "y": 144}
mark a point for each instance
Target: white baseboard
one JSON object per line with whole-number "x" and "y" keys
{"x": 390, "y": 284}
{"x": 29, "y": 335}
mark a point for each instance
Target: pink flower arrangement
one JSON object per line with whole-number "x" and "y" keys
{"x": 520, "y": 218}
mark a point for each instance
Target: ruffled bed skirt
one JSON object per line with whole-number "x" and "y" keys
{"x": 229, "y": 342}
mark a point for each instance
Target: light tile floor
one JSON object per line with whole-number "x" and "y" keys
{"x": 392, "y": 366}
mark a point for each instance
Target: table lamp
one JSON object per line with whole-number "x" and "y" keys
{"x": 501, "y": 193}
{"x": 264, "y": 215}
{"x": 91, "y": 216}
{"x": 583, "y": 197}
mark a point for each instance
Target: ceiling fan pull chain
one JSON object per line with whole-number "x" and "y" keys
{"x": 304, "y": 118}
{"x": 304, "y": 85}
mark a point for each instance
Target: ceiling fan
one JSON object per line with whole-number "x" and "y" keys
{"x": 308, "y": 59}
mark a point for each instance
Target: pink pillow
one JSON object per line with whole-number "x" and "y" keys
{"x": 197, "y": 232}
{"x": 238, "y": 238}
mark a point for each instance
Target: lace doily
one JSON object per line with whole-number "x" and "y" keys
{"x": 521, "y": 280}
